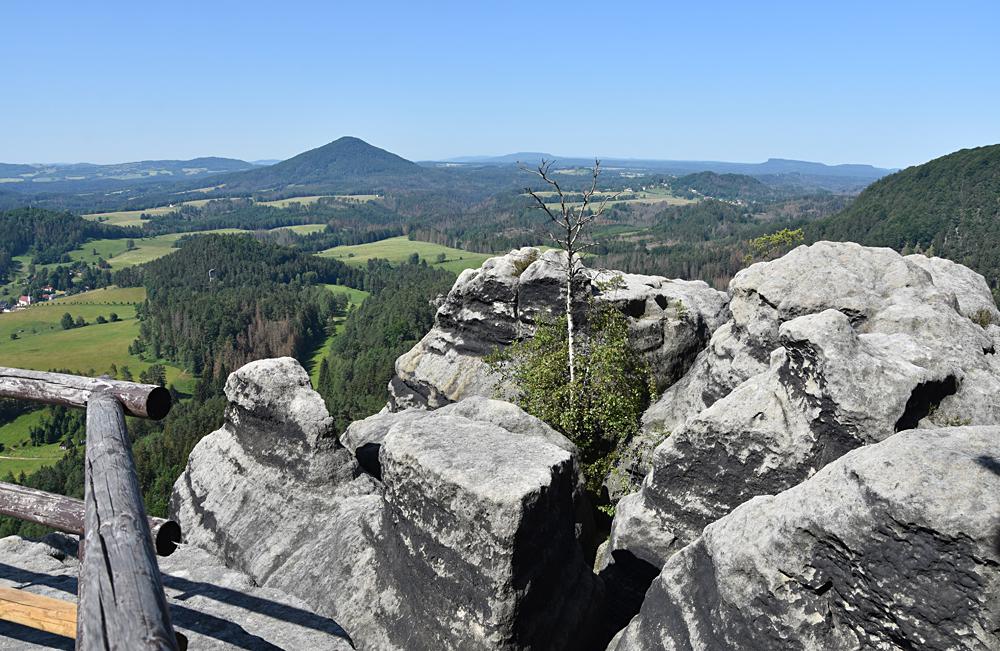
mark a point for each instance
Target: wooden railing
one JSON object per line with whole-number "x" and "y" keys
{"x": 121, "y": 599}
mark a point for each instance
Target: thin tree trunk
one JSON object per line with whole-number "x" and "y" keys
{"x": 569, "y": 329}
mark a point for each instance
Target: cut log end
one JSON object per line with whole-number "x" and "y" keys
{"x": 158, "y": 403}
{"x": 166, "y": 537}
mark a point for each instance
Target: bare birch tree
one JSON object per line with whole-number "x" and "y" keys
{"x": 569, "y": 222}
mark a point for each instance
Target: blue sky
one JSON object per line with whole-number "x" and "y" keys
{"x": 887, "y": 83}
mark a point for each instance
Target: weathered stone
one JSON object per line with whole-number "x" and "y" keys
{"x": 318, "y": 527}
{"x": 213, "y": 606}
{"x": 832, "y": 347}
{"x": 490, "y": 307}
{"x": 480, "y": 540}
{"x": 893, "y": 546}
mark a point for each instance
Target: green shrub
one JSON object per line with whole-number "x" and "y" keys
{"x": 602, "y": 408}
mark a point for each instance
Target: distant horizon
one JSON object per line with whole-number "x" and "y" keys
{"x": 884, "y": 84}
{"x": 455, "y": 158}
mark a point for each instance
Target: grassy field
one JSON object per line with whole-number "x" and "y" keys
{"x": 42, "y": 344}
{"x": 398, "y": 249}
{"x": 303, "y": 229}
{"x": 356, "y": 297}
{"x": 134, "y": 217}
{"x": 18, "y": 454}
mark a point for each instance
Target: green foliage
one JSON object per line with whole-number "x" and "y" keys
{"x": 48, "y": 236}
{"x": 260, "y": 300}
{"x": 67, "y": 321}
{"x": 614, "y": 385}
{"x": 772, "y": 245}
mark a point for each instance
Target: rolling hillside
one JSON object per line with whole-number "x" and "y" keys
{"x": 949, "y": 207}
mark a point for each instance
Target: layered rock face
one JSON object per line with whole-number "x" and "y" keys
{"x": 500, "y": 302}
{"x": 893, "y": 546}
{"x": 213, "y": 606}
{"x": 464, "y": 538}
{"x": 832, "y": 347}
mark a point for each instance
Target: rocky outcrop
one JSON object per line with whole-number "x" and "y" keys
{"x": 465, "y": 529}
{"x": 893, "y": 546}
{"x": 479, "y": 523}
{"x": 829, "y": 348}
{"x": 213, "y": 606}
{"x": 490, "y": 307}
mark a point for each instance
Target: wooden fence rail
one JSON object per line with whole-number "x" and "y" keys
{"x": 121, "y": 600}
{"x": 143, "y": 400}
{"x": 66, "y": 514}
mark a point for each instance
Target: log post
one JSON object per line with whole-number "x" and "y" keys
{"x": 122, "y": 604}
{"x": 66, "y": 514}
{"x": 143, "y": 400}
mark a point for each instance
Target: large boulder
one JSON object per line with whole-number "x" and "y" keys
{"x": 275, "y": 496}
{"x": 490, "y": 307}
{"x": 832, "y": 347}
{"x": 213, "y": 606}
{"x": 467, "y": 525}
{"x": 480, "y": 539}
{"x": 893, "y": 546}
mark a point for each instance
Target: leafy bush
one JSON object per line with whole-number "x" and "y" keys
{"x": 602, "y": 408}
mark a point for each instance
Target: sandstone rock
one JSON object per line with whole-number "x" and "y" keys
{"x": 486, "y": 490}
{"x": 829, "y": 348}
{"x": 480, "y": 538}
{"x": 213, "y": 606}
{"x": 893, "y": 546}
{"x": 501, "y": 301}
{"x": 272, "y": 496}
{"x": 372, "y": 430}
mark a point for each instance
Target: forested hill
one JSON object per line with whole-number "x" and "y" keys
{"x": 47, "y": 235}
{"x": 722, "y": 186}
{"x": 224, "y": 300}
{"x": 346, "y": 165}
{"x": 949, "y": 207}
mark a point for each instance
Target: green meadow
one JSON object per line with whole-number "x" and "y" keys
{"x": 42, "y": 344}
{"x": 399, "y": 249}
{"x": 18, "y": 455}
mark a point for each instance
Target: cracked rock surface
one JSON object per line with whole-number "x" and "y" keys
{"x": 831, "y": 347}
{"x": 895, "y": 545}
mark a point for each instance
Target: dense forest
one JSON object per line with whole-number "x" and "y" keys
{"x": 46, "y": 235}
{"x": 224, "y": 300}
{"x": 948, "y": 207}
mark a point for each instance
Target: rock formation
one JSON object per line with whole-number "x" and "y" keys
{"x": 832, "y": 347}
{"x": 501, "y": 301}
{"x": 457, "y": 540}
{"x": 893, "y": 546}
{"x": 213, "y": 606}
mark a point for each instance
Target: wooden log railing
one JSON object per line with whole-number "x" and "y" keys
{"x": 121, "y": 600}
{"x": 66, "y": 514}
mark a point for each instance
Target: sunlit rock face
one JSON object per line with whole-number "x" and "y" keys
{"x": 670, "y": 322}
{"x": 892, "y": 546}
{"x": 829, "y": 348}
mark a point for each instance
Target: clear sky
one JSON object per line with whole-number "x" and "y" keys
{"x": 886, "y": 83}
